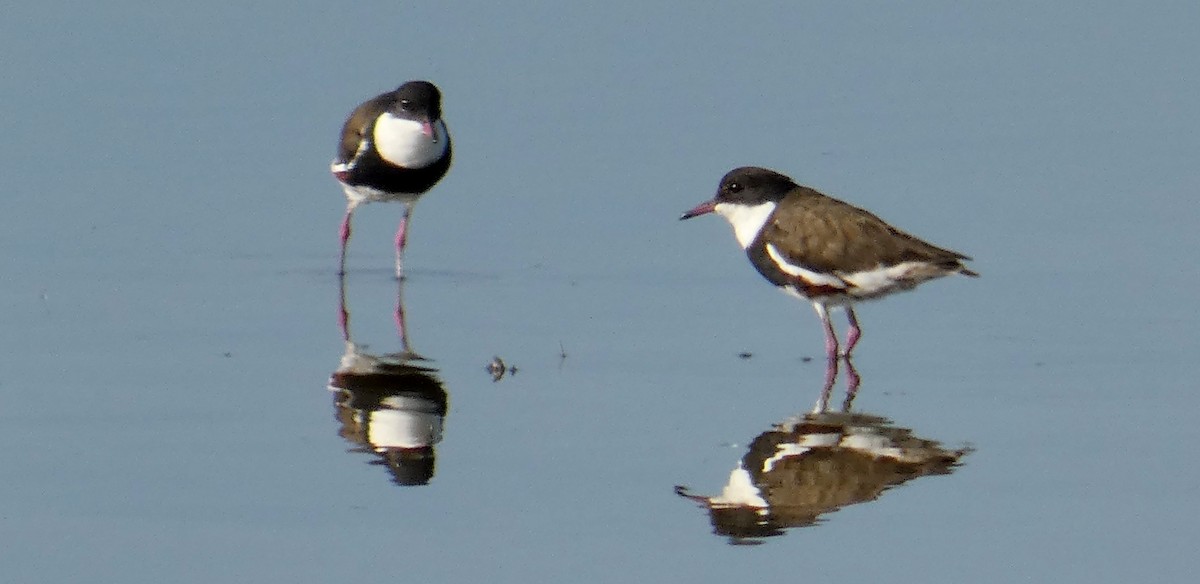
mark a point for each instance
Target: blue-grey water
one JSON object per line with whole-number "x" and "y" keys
{"x": 171, "y": 312}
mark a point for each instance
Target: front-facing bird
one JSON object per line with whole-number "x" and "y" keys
{"x": 394, "y": 147}
{"x": 822, "y": 249}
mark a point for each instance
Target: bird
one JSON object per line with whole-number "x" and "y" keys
{"x": 821, "y": 249}
{"x": 394, "y": 147}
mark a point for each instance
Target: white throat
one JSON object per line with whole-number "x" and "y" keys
{"x": 746, "y": 220}
{"x": 401, "y": 142}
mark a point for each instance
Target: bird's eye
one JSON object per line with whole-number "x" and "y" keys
{"x": 735, "y": 187}
{"x": 404, "y": 103}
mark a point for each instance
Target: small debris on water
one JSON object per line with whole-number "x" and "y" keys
{"x": 745, "y": 355}
{"x": 496, "y": 368}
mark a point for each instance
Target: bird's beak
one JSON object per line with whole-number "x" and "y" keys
{"x": 702, "y": 209}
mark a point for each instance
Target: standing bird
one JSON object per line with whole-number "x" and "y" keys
{"x": 821, "y": 249}
{"x": 394, "y": 147}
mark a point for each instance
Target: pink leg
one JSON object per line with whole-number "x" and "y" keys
{"x": 402, "y": 239}
{"x": 831, "y": 373}
{"x": 831, "y": 342}
{"x": 852, "y": 381}
{"x": 345, "y": 235}
{"x": 343, "y": 314}
{"x": 401, "y": 329}
{"x": 854, "y": 333}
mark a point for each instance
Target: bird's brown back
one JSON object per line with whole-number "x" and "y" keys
{"x": 359, "y": 123}
{"x": 823, "y": 234}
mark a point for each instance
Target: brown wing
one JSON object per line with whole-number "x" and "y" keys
{"x": 359, "y": 123}
{"x": 827, "y": 235}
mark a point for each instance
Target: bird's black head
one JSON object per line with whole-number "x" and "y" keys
{"x": 417, "y": 100}
{"x": 751, "y": 185}
{"x": 748, "y": 186}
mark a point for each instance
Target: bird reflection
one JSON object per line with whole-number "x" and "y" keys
{"x": 810, "y": 465}
{"x": 391, "y": 405}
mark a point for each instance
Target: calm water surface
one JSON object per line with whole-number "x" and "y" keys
{"x": 181, "y": 401}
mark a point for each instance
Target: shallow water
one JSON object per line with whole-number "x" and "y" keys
{"x": 175, "y": 398}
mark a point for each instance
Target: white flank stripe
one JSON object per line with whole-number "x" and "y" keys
{"x": 784, "y": 451}
{"x": 746, "y": 221}
{"x": 863, "y": 284}
{"x": 873, "y": 444}
{"x": 869, "y": 282}
{"x": 402, "y": 143}
{"x": 815, "y": 278}
{"x": 349, "y": 164}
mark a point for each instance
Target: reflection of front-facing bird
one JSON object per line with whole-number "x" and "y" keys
{"x": 822, "y": 249}
{"x": 394, "y": 147}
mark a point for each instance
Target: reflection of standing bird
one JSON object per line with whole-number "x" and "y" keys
{"x": 822, "y": 249}
{"x": 390, "y": 408}
{"x": 394, "y": 147}
{"x": 811, "y": 465}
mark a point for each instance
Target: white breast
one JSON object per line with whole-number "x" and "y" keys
{"x": 401, "y": 142}
{"x": 405, "y": 423}
{"x": 746, "y": 221}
